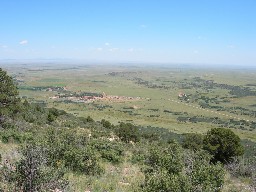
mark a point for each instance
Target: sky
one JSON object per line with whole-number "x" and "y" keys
{"x": 155, "y": 31}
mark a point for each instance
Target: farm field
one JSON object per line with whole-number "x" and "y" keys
{"x": 181, "y": 99}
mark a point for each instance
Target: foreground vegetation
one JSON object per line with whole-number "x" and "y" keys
{"x": 45, "y": 149}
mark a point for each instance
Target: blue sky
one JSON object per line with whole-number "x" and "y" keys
{"x": 170, "y": 31}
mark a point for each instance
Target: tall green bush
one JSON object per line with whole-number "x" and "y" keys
{"x": 171, "y": 169}
{"x": 8, "y": 94}
{"x": 223, "y": 145}
{"x": 31, "y": 172}
{"x": 128, "y": 132}
{"x": 192, "y": 141}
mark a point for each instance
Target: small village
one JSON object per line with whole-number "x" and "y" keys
{"x": 88, "y": 97}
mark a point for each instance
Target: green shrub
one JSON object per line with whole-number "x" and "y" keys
{"x": 139, "y": 155}
{"x": 222, "y": 144}
{"x": 128, "y": 132}
{"x": 31, "y": 172}
{"x": 241, "y": 166}
{"x": 168, "y": 158}
{"x": 82, "y": 161}
{"x": 51, "y": 117}
{"x": 169, "y": 168}
{"x": 9, "y": 100}
{"x": 111, "y": 151}
{"x": 69, "y": 148}
{"x": 203, "y": 175}
{"x": 89, "y": 119}
{"x": 106, "y": 124}
{"x": 192, "y": 141}
{"x": 11, "y": 136}
{"x": 163, "y": 181}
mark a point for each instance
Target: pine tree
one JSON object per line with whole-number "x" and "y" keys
{"x": 8, "y": 94}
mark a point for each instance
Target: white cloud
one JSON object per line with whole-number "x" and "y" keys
{"x": 99, "y": 49}
{"x": 133, "y": 50}
{"x": 200, "y": 37}
{"x": 231, "y": 46}
{"x": 195, "y": 51}
{"x": 107, "y": 44}
{"x": 113, "y": 49}
{"x": 143, "y": 26}
{"x": 23, "y": 42}
{"x": 4, "y": 46}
